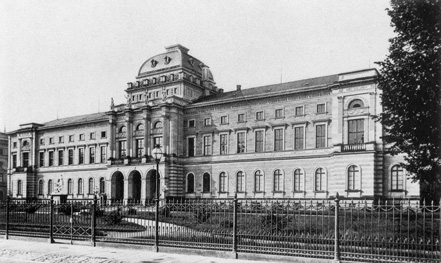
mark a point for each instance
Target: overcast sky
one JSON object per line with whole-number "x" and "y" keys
{"x": 67, "y": 58}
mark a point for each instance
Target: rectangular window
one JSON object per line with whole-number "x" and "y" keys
{"x": 60, "y": 157}
{"x": 190, "y": 146}
{"x": 92, "y": 136}
{"x": 207, "y": 122}
{"x": 103, "y": 134}
{"x": 71, "y": 138}
{"x": 356, "y": 131}
{"x": 103, "y": 154}
{"x": 299, "y": 138}
{"x": 51, "y": 140}
{"x": 241, "y": 142}
{"x": 299, "y": 111}
{"x": 41, "y": 159}
{"x": 122, "y": 148}
{"x": 14, "y": 144}
{"x": 41, "y": 142}
{"x": 51, "y": 158}
{"x": 279, "y": 113}
{"x": 259, "y": 115}
{"x": 321, "y": 108}
{"x": 25, "y": 159}
{"x": 278, "y": 140}
{"x": 92, "y": 155}
{"x": 82, "y": 137}
{"x": 191, "y": 123}
{"x": 224, "y": 120}
{"x": 241, "y": 117}
{"x": 61, "y": 139}
{"x": 320, "y": 140}
{"x": 223, "y": 144}
{"x": 157, "y": 141}
{"x": 207, "y": 145}
{"x": 70, "y": 157}
{"x": 139, "y": 148}
{"x": 14, "y": 161}
{"x": 80, "y": 155}
{"x": 259, "y": 141}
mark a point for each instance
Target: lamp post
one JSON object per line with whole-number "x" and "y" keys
{"x": 157, "y": 155}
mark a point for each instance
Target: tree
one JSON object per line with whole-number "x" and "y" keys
{"x": 411, "y": 82}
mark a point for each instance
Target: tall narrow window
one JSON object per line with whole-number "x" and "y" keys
{"x": 222, "y": 182}
{"x": 139, "y": 148}
{"x": 60, "y": 157}
{"x": 278, "y": 140}
{"x": 157, "y": 141}
{"x": 102, "y": 185}
{"x": 240, "y": 142}
{"x": 223, "y": 144}
{"x": 321, "y": 108}
{"x": 103, "y": 154}
{"x": 397, "y": 178}
{"x": 240, "y": 183}
{"x": 320, "y": 136}
{"x": 40, "y": 187}
{"x": 190, "y": 183}
{"x": 259, "y": 141}
{"x": 80, "y": 155}
{"x": 71, "y": 156}
{"x": 50, "y": 187}
{"x": 353, "y": 177}
{"x": 14, "y": 161}
{"x": 207, "y": 145}
{"x": 278, "y": 181}
{"x": 122, "y": 148}
{"x": 91, "y": 186}
{"x": 69, "y": 186}
{"x": 298, "y": 174}
{"x": 319, "y": 179}
{"x": 356, "y": 131}
{"x": 259, "y": 115}
{"x": 206, "y": 183}
{"x": 19, "y": 187}
{"x": 298, "y": 138}
{"x": 80, "y": 186}
{"x": 51, "y": 158}
{"x": 25, "y": 156}
{"x": 41, "y": 159}
{"x": 92, "y": 155}
{"x": 241, "y": 117}
{"x": 190, "y": 145}
{"x": 258, "y": 181}
{"x": 279, "y": 113}
{"x": 299, "y": 111}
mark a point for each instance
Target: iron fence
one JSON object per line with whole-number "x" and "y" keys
{"x": 356, "y": 230}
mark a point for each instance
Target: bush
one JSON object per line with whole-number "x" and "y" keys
{"x": 273, "y": 222}
{"x": 164, "y": 211}
{"x": 202, "y": 214}
{"x": 131, "y": 211}
{"x": 226, "y": 224}
{"x": 31, "y": 209}
{"x": 114, "y": 217}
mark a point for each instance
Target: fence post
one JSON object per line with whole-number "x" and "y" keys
{"x": 8, "y": 201}
{"x": 93, "y": 220}
{"x": 51, "y": 220}
{"x": 336, "y": 230}
{"x": 235, "y": 225}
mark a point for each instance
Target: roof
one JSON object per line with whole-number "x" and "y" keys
{"x": 94, "y": 117}
{"x": 287, "y": 86}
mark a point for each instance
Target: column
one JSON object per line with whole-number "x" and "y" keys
{"x": 340, "y": 114}
{"x": 19, "y": 153}
{"x": 129, "y": 135}
{"x": 32, "y": 155}
{"x": 370, "y": 127}
{"x": 173, "y": 139}
{"x": 143, "y": 189}
{"x": 147, "y": 129}
{"x": 112, "y": 124}
{"x": 126, "y": 190}
{"x": 166, "y": 130}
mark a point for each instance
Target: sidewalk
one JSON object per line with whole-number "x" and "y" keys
{"x": 38, "y": 251}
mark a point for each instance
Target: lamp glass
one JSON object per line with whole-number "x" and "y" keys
{"x": 157, "y": 153}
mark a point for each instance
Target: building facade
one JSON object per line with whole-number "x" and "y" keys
{"x": 3, "y": 164}
{"x": 304, "y": 139}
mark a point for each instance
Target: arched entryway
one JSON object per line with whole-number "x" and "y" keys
{"x": 117, "y": 186}
{"x": 151, "y": 184}
{"x": 134, "y": 187}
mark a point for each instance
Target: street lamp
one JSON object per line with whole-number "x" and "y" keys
{"x": 157, "y": 155}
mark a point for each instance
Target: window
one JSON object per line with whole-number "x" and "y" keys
{"x": 240, "y": 183}
{"x": 122, "y": 149}
{"x": 19, "y": 188}
{"x": 157, "y": 141}
{"x": 224, "y": 120}
{"x": 190, "y": 183}
{"x": 103, "y": 154}
{"x": 50, "y": 187}
{"x": 320, "y": 140}
{"x": 139, "y": 148}
{"x": 319, "y": 180}
{"x": 397, "y": 178}
{"x": 299, "y": 111}
{"x": 298, "y": 174}
{"x": 258, "y": 181}
{"x": 158, "y": 125}
{"x": 82, "y": 137}
{"x": 80, "y": 155}
{"x": 80, "y": 186}
{"x": 321, "y": 108}
{"x": 279, "y": 113}
{"x": 353, "y": 177}
{"x": 122, "y": 129}
{"x": 299, "y": 138}
{"x": 223, "y": 144}
{"x": 190, "y": 146}
{"x": 278, "y": 181}
{"x": 240, "y": 142}
{"x": 40, "y": 187}
{"x": 71, "y": 156}
{"x": 191, "y": 123}
{"x": 41, "y": 159}
{"x": 71, "y": 138}
{"x": 61, "y": 139}
{"x": 259, "y": 141}
{"x": 356, "y": 131}
{"x": 14, "y": 144}
{"x": 207, "y": 122}
{"x": 103, "y": 134}
{"x": 241, "y": 117}
{"x": 60, "y": 157}
{"x": 278, "y": 140}
{"x": 25, "y": 159}
{"x": 69, "y": 187}
{"x": 140, "y": 127}
{"x": 92, "y": 136}
{"x": 206, "y": 183}
{"x": 356, "y": 104}
{"x": 102, "y": 185}
{"x": 51, "y": 140}
{"x": 51, "y": 158}
{"x": 207, "y": 145}
{"x": 223, "y": 182}
{"x": 92, "y": 155}
{"x": 91, "y": 186}
{"x": 259, "y": 115}
{"x": 14, "y": 161}
{"x": 41, "y": 143}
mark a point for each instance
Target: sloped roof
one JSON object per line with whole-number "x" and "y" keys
{"x": 75, "y": 120}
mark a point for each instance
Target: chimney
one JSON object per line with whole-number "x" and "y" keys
{"x": 238, "y": 87}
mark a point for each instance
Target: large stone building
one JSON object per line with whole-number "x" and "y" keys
{"x": 3, "y": 164}
{"x": 304, "y": 139}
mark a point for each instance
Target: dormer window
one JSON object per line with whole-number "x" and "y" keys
{"x": 153, "y": 80}
{"x": 145, "y": 82}
{"x": 154, "y": 63}
{"x": 357, "y": 103}
{"x": 129, "y": 85}
{"x": 163, "y": 79}
{"x": 167, "y": 60}
{"x": 191, "y": 61}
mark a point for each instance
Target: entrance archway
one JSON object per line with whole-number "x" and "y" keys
{"x": 151, "y": 185}
{"x": 134, "y": 187}
{"x": 117, "y": 186}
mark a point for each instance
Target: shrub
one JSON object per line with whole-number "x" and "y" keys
{"x": 226, "y": 224}
{"x": 114, "y": 217}
{"x": 273, "y": 222}
{"x": 131, "y": 211}
{"x": 165, "y": 211}
{"x": 31, "y": 208}
{"x": 202, "y": 214}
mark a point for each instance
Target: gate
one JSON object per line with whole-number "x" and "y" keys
{"x": 73, "y": 220}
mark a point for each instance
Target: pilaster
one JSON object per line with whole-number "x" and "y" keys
{"x": 112, "y": 131}
{"x": 129, "y": 125}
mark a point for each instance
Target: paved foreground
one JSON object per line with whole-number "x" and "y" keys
{"x": 34, "y": 251}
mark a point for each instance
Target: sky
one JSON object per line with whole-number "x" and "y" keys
{"x": 66, "y": 58}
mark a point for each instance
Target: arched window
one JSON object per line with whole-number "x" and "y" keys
{"x": 190, "y": 183}
{"x": 69, "y": 186}
{"x": 258, "y": 181}
{"x": 19, "y": 187}
{"x": 50, "y": 187}
{"x": 240, "y": 183}
{"x": 140, "y": 127}
{"x": 206, "y": 183}
{"x": 356, "y": 104}
{"x": 122, "y": 129}
{"x": 158, "y": 125}
{"x": 222, "y": 182}
{"x": 80, "y": 186}
{"x": 102, "y": 185}
{"x": 298, "y": 174}
{"x": 397, "y": 178}
{"x": 278, "y": 181}
{"x": 353, "y": 177}
{"x": 90, "y": 186}
{"x": 40, "y": 187}
{"x": 320, "y": 179}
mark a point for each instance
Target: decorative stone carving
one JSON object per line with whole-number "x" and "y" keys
{"x": 154, "y": 63}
